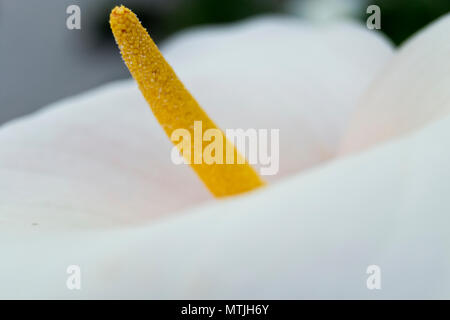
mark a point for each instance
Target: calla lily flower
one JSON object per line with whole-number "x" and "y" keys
{"x": 363, "y": 177}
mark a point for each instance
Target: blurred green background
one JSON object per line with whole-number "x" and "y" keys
{"x": 400, "y": 18}
{"x": 41, "y": 61}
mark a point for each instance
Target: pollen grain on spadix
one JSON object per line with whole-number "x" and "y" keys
{"x": 173, "y": 105}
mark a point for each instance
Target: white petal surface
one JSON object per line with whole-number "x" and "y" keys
{"x": 412, "y": 90}
{"x": 310, "y": 236}
{"x": 74, "y": 178}
{"x": 95, "y": 160}
{"x": 301, "y": 79}
{"x": 101, "y": 159}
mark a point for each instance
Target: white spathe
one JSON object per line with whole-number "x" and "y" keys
{"x": 102, "y": 155}
{"x": 412, "y": 90}
{"x": 92, "y": 174}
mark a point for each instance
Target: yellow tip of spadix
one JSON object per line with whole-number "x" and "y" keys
{"x": 173, "y": 105}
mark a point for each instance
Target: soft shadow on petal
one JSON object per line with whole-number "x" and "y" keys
{"x": 101, "y": 159}
{"x": 283, "y": 74}
{"x": 95, "y": 160}
{"x": 413, "y": 90}
{"x": 310, "y": 236}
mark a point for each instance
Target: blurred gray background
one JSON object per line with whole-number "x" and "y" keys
{"x": 41, "y": 61}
